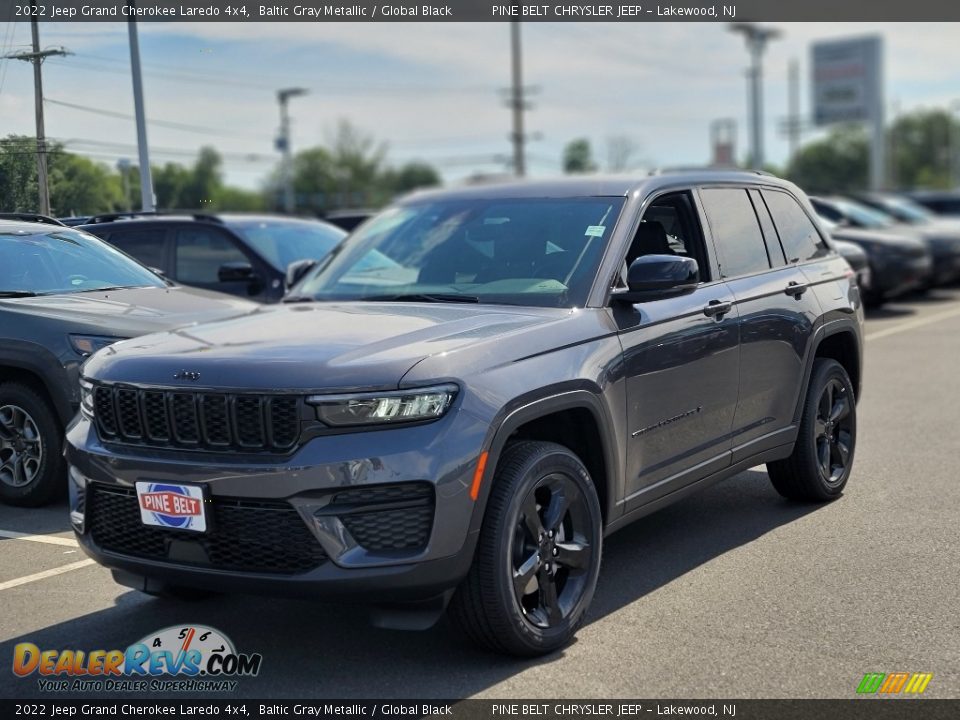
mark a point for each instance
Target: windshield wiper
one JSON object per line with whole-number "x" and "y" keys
{"x": 423, "y": 297}
{"x": 17, "y": 293}
{"x": 109, "y": 287}
{"x": 298, "y": 298}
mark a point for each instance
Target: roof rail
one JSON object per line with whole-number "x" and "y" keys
{"x": 111, "y": 217}
{"x": 31, "y": 217}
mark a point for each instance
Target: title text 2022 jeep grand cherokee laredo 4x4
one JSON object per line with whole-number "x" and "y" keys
{"x": 478, "y": 386}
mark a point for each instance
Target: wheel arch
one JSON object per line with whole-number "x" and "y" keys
{"x": 577, "y": 419}
{"x": 41, "y": 371}
{"x": 839, "y": 340}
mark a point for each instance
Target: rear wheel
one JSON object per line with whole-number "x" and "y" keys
{"x": 538, "y": 555}
{"x": 32, "y": 469}
{"x": 822, "y": 458}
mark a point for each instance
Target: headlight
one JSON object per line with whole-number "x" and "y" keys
{"x": 88, "y": 344}
{"x": 86, "y": 398}
{"x": 397, "y": 406}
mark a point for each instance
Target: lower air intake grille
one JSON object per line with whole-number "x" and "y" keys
{"x": 243, "y": 535}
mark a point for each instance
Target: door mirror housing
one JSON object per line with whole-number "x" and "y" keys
{"x": 651, "y": 277}
{"x": 236, "y": 272}
{"x": 297, "y": 270}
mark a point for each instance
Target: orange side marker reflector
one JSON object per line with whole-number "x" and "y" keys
{"x": 478, "y": 476}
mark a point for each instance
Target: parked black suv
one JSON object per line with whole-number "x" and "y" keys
{"x": 245, "y": 255}
{"x": 470, "y": 393}
{"x": 63, "y": 295}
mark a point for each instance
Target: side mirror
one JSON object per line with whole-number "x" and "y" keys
{"x": 236, "y": 272}
{"x": 651, "y": 277}
{"x": 297, "y": 270}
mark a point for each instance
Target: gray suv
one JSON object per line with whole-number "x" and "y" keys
{"x": 455, "y": 407}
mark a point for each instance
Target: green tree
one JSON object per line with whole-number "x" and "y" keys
{"x": 80, "y": 186}
{"x": 411, "y": 176}
{"x": 18, "y": 174}
{"x": 837, "y": 163}
{"x": 920, "y": 149}
{"x": 578, "y": 157}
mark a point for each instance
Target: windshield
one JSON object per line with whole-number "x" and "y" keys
{"x": 907, "y": 210}
{"x": 862, "y": 215}
{"x": 55, "y": 260}
{"x": 281, "y": 242}
{"x": 542, "y": 251}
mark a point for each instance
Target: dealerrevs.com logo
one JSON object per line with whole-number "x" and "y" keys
{"x": 187, "y": 658}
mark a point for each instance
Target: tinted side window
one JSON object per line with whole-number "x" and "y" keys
{"x": 200, "y": 253}
{"x": 774, "y": 249}
{"x": 735, "y": 230}
{"x": 148, "y": 245}
{"x": 799, "y": 236}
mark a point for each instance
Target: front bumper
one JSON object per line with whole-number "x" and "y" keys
{"x": 380, "y": 515}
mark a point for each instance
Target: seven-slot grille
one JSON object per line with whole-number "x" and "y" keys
{"x": 207, "y": 421}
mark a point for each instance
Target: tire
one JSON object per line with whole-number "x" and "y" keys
{"x": 542, "y": 523}
{"x": 32, "y": 468}
{"x": 822, "y": 457}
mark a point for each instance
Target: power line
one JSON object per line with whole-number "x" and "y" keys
{"x": 124, "y": 116}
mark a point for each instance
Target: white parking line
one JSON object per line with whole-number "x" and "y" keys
{"x": 45, "y": 574}
{"x": 911, "y": 324}
{"x": 48, "y": 539}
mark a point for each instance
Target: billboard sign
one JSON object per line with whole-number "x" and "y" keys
{"x": 847, "y": 80}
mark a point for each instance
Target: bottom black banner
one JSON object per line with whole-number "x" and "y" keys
{"x": 854, "y": 709}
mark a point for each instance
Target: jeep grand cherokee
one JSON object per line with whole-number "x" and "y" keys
{"x": 459, "y": 403}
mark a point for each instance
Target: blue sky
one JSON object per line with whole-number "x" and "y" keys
{"x": 432, "y": 91}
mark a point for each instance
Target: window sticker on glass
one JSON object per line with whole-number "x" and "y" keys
{"x": 595, "y": 230}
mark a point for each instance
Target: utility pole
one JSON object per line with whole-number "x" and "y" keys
{"x": 146, "y": 178}
{"x": 757, "y": 38}
{"x": 517, "y": 102}
{"x": 793, "y": 108}
{"x": 37, "y": 57}
{"x": 283, "y": 145}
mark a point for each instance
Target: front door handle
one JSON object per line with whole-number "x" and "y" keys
{"x": 717, "y": 309}
{"x": 795, "y": 289}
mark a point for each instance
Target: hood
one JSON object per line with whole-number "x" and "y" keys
{"x": 866, "y": 237}
{"x": 132, "y": 312}
{"x": 317, "y": 346}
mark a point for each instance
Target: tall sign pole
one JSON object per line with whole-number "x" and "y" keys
{"x": 848, "y": 87}
{"x": 146, "y": 178}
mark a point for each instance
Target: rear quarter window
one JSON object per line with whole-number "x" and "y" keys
{"x": 798, "y": 234}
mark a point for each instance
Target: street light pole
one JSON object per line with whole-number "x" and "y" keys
{"x": 756, "y": 38}
{"x": 283, "y": 145}
{"x": 146, "y": 177}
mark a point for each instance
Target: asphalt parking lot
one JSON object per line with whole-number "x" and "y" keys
{"x": 732, "y": 593}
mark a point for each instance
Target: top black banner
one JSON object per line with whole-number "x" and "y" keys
{"x": 477, "y": 11}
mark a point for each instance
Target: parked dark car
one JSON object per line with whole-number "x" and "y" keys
{"x": 899, "y": 263}
{"x": 63, "y": 295}
{"x": 348, "y": 219}
{"x": 245, "y": 255}
{"x": 857, "y": 258}
{"x": 942, "y": 202}
{"x": 474, "y": 390}
{"x": 942, "y": 235}
{"x": 75, "y": 220}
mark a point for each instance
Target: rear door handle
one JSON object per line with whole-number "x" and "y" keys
{"x": 717, "y": 309}
{"x": 795, "y": 289}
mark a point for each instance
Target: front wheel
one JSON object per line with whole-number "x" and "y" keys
{"x": 32, "y": 468}
{"x": 538, "y": 556}
{"x": 822, "y": 457}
